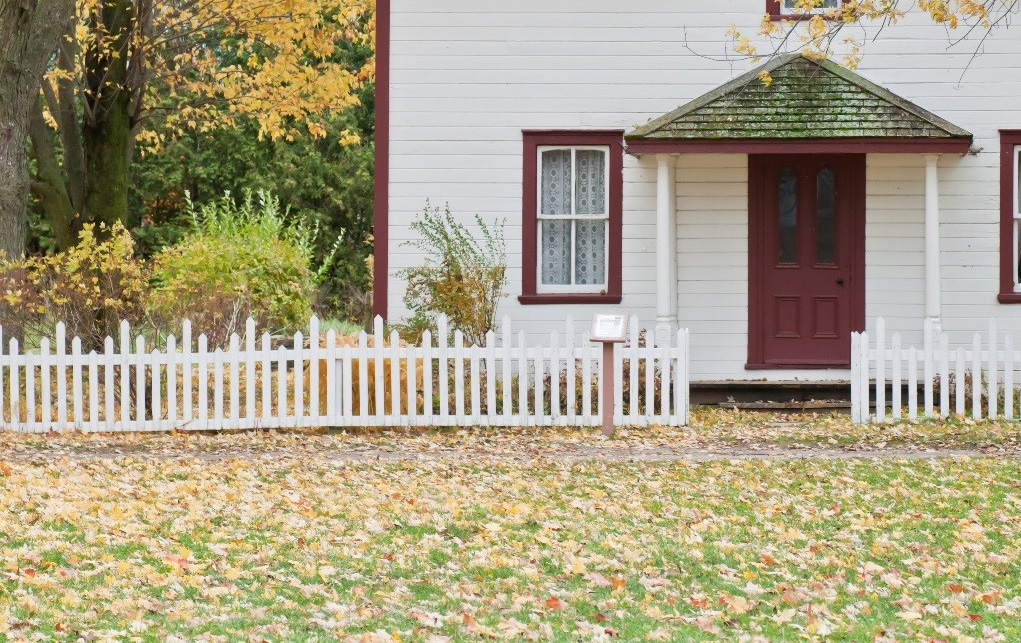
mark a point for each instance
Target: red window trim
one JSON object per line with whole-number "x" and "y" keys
{"x": 1008, "y": 139}
{"x": 773, "y": 11}
{"x": 532, "y": 139}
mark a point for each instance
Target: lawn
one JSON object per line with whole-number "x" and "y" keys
{"x": 304, "y": 548}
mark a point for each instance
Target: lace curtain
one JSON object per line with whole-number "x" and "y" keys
{"x": 588, "y": 250}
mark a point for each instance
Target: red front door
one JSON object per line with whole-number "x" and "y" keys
{"x": 806, "y": 260}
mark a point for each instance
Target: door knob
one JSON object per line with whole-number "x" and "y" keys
{"x": 840, "y": 281}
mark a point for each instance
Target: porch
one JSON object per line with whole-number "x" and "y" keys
{"x": 805, "y": 159}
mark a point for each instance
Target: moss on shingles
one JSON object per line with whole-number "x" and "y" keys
{"x": 806, "y": 99}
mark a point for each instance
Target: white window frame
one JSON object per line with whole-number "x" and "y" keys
{"x": 1016, "y": 203}
{"x": 573, "y": 287}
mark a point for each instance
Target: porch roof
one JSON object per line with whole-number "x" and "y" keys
{"x": 810, "y": 105}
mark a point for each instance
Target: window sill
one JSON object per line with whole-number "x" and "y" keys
{"x": 801, "y": 16}
{"x": 1009, "y": 298}
{"x": 568, "y": 298}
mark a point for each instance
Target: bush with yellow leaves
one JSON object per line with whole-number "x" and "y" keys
{"x": 91, "y": 287}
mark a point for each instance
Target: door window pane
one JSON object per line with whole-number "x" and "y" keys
{"x": 825, "y": 209}
{"x": 788, "y": 201}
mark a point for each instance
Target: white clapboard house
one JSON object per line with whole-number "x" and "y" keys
{"x": 640, "y": 165}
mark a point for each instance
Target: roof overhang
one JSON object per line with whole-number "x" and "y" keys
{"x": 803, "y": 106}
{"x": 638, "y": 147}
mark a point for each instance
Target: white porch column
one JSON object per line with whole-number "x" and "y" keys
{"x": 933, "y": 306}
{"x": 666, "y": 242}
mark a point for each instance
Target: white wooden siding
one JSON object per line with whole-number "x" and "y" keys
{"x": 468, "y": 76}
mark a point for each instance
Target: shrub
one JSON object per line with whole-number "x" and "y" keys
{"x": 241, "y": 259}
{"x": 90, "y": 287}
{"x": 463, "y": 277}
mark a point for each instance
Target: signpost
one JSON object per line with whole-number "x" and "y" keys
{"x": 608, "y": 329}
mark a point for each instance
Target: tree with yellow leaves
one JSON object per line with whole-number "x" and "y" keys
{"x": 124, "y": 65}
{"x": 822, "y": 30}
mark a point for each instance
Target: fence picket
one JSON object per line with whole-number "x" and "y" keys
{"x": 109, "y": 416}
{"x": 125, "y": 374}
{"x": 912, "y": 383}
{"x": 944, "y": 376}
{"x": 1008, "y": 377}
{"x": 203, "y": 381}
{"x": 856, "y": 417}
{"x": 993, "y": 368}
{"x": 61, "y": 364}
{"x": 30, "y": 390}
{"x": 218, "y": 364}
{"x": 522, "y": 379}
{"x": 554, "y": 379}
{"x": 490, "y": 375}
{"x": 427, "y": 375}
{"x": 250, "y": 357}
{"x": 281, "y": 417}
{"x": 444, "y": 371}
{"x": 506, "y": 382}
{"x": 650, "y": 373}
{"x": 895, "y": 378}
{"x": 15, "y": 384}
{"x": 571, "y": 369}
{"x": 976, "y": 378}
{"x": 77, "y": 397}
{"x": 459, "y": 416}
{"x": 186, "y": 362}
{"x": 476, "y": 386}
{"x": 156, "y": 386}
{"x": 93, "y": 391}
{"x": 927, "y": 366}
{"x": 959, "y": 383}
{"x": 332, "y": 401}
{"x": 235, "y": 385}
{"x": 363, "y": 374}
{"x": 172, "y": 381}
{"x": 266, "y": 359}
{"x": 586, "y": 379}
{"x": 880, "y": 370}
{"x": 395, "y": 380}
{"x": 631, "y": 351}
{"x": 538, "y": 370}
{"x": 864, "y": 383}
{"x": 313, "y": 370}
{"x": 45, "y": 390}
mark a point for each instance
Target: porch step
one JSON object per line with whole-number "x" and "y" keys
{"x": 808, "y": 405}
{"x": 775, "y": 395}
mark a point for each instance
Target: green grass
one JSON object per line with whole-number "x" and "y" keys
{"x": 305, "y": 550}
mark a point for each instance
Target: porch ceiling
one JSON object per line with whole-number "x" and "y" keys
{"x": 810, "y": 105}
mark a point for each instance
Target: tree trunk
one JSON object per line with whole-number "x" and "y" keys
{"x": 29, "y": 33}
{"x": 107, "y": 154}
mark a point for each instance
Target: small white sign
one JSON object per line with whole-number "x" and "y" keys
{"x": 609, "y": 327}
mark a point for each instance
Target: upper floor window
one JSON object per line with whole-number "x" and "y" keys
{"x": 1010, "y": 216}
{"x": 796, "y": 9}
{"x": 571, "y": 223}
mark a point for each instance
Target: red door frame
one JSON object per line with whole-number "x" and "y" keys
{"x": 759, "y": 246}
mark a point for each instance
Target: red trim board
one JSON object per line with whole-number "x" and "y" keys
{"x": 381, "y": 187}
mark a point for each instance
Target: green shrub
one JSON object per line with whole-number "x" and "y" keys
{"x": 243, "y": 258}
{"x": 463, "y": 277}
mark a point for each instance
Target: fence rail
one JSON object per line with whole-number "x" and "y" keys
{"x": 980, "y": 379}
{"x": 322, "y": 380}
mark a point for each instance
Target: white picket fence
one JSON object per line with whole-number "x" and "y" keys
{"x": 980, "y": 380}
{"x": 183, "y": 385}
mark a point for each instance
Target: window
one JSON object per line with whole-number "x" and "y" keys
{"x": 571, "y": 217}
{"x": 793, "y": 9}
{"x": 1010, "y": 216}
